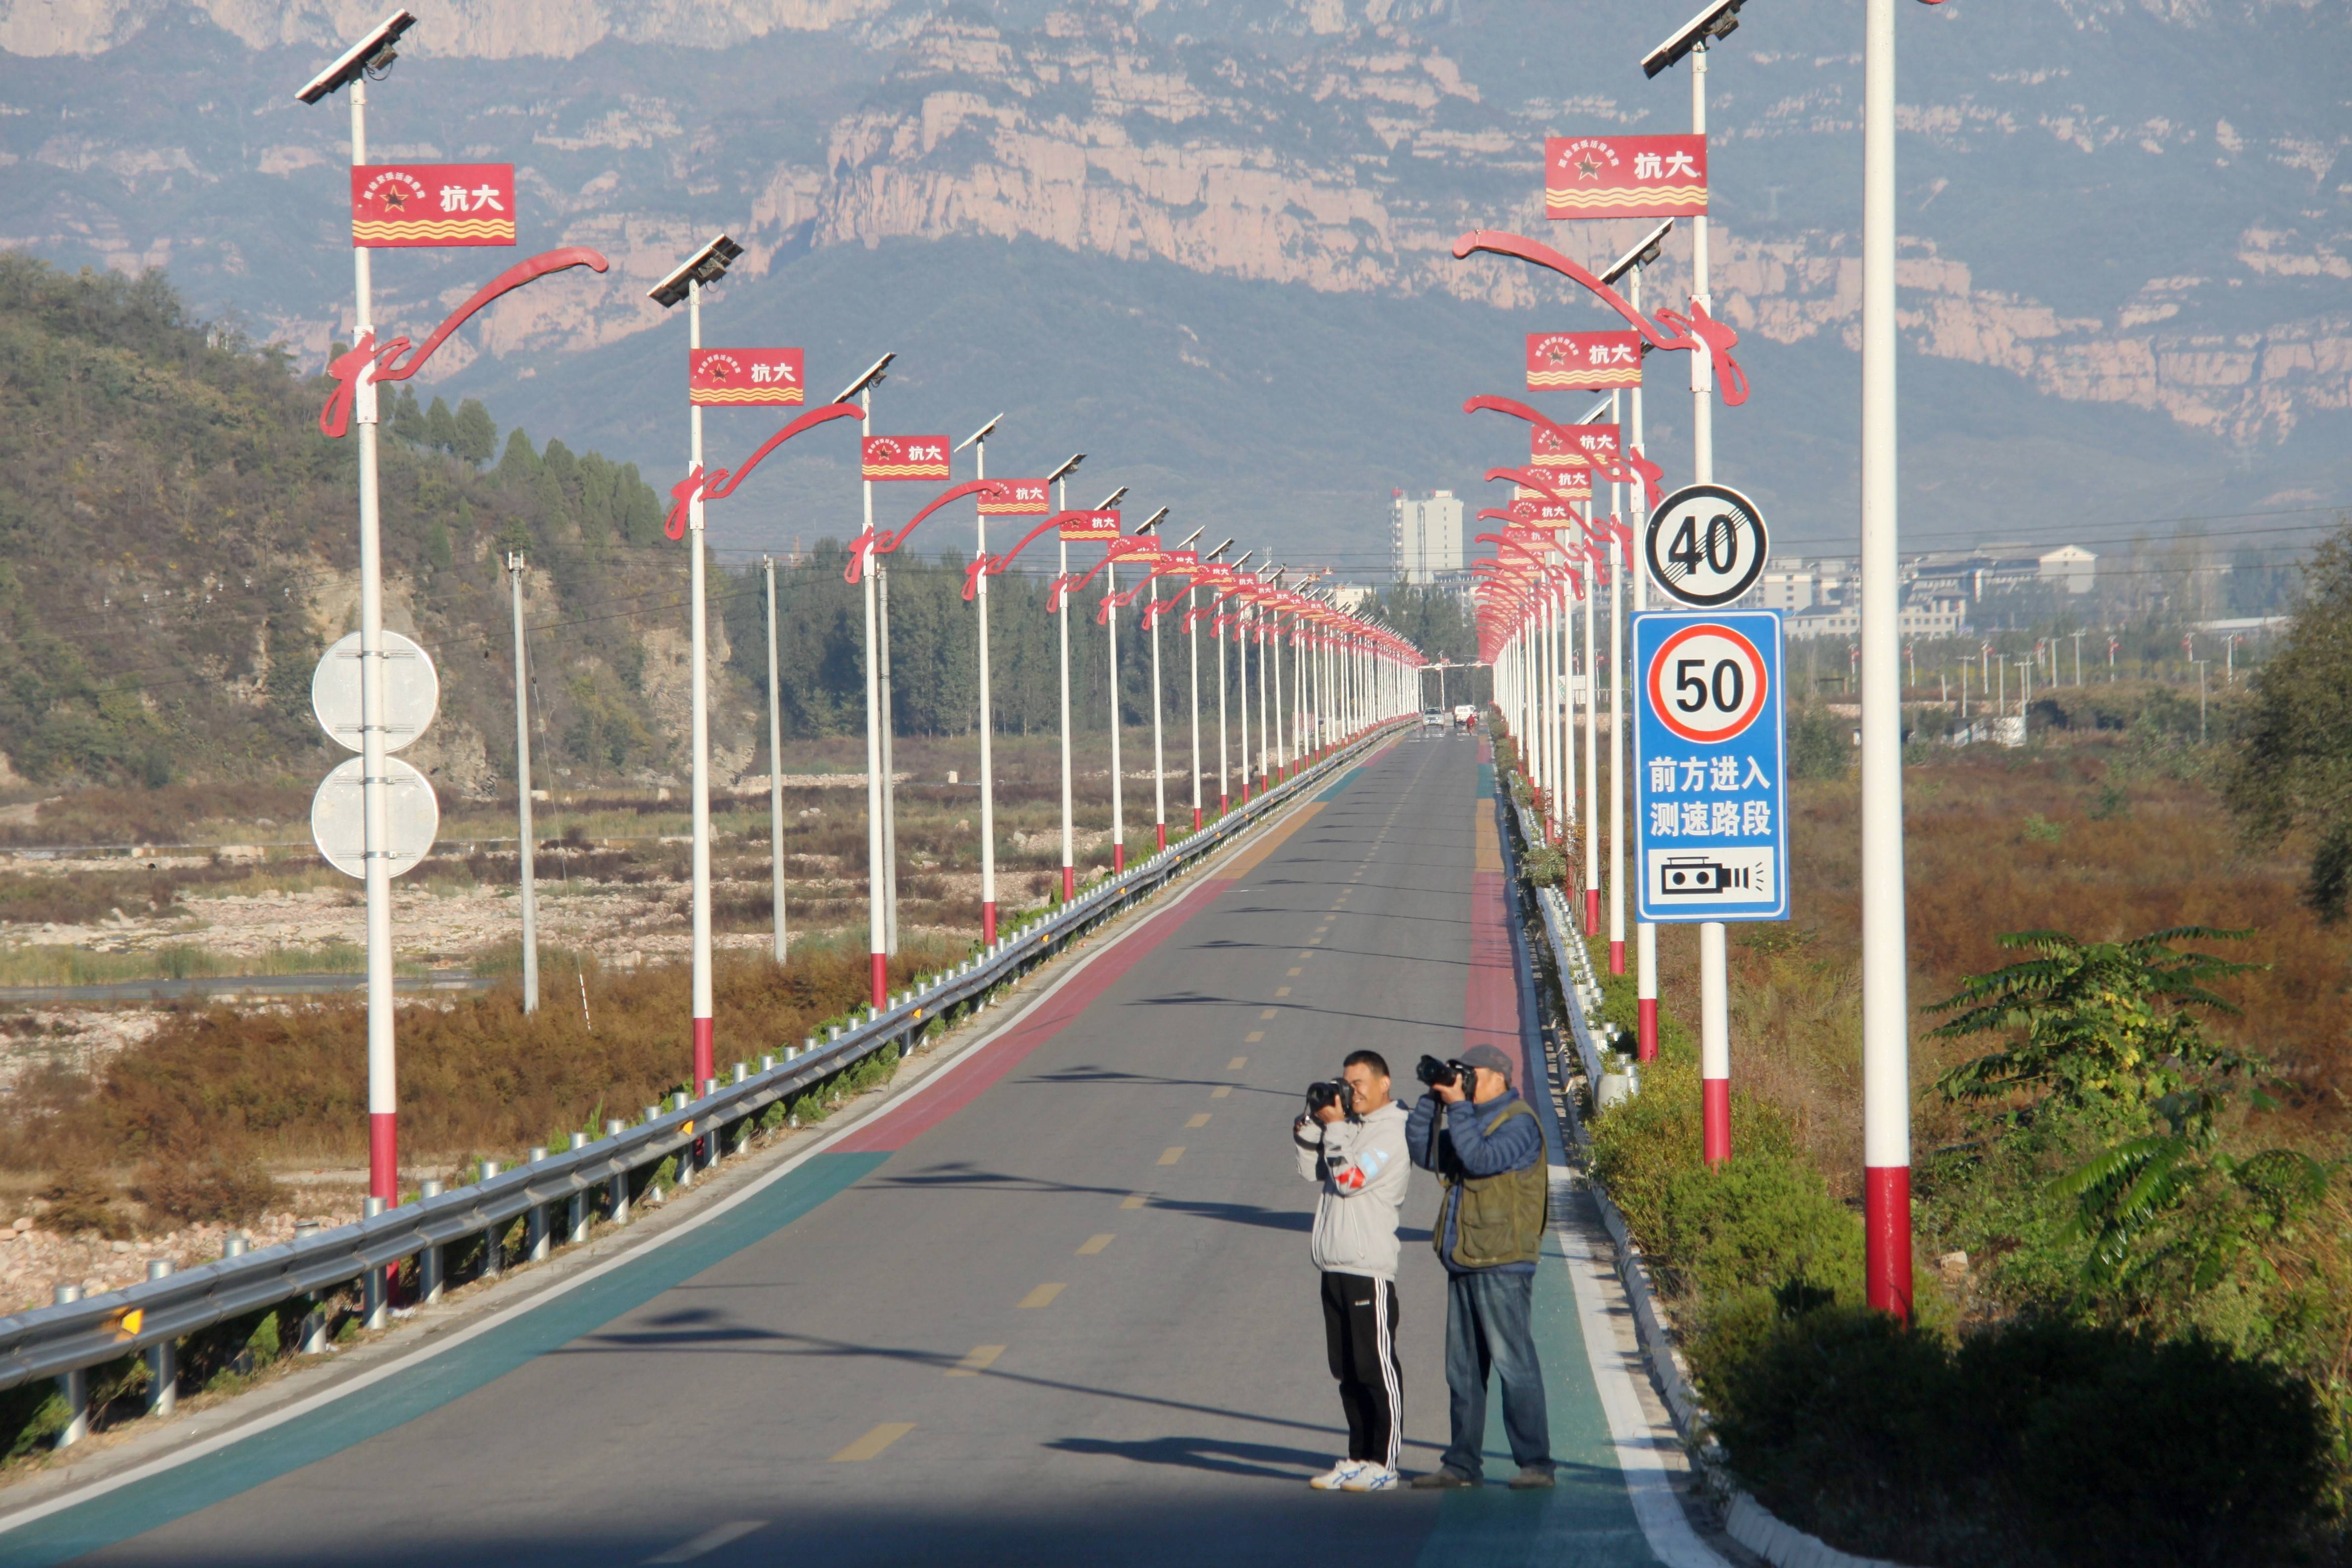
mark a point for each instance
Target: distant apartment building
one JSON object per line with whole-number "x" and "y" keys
{"x": 1819, "y": 598}
{"x": 1425, "y": 538}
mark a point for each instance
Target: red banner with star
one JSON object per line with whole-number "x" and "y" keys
{"x": 1582, "y": 361}
{"x": 1084, "y": 525}
{"x": 902, "y": 458}
{"x": 730, "y": 378}
{"x": 409, "y": 205}
{"x": 1625, "y": 176}
{"x": 1023, "y": 498}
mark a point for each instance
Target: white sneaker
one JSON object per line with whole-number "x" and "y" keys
{"x": 1338, "y": 1475}
{"x": 1369, "y": 1478}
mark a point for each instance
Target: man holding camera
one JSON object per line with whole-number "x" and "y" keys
{"x": 1352, "y": 1142}
{"x": 1482, "y": 1139}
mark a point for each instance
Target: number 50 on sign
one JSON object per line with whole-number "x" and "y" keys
{"x": 1710, "y": 768}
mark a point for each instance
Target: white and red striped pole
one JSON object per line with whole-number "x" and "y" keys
{"x": 1886, "y": 999}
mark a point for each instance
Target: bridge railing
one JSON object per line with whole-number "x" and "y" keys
{"x": 63, "y": 1340}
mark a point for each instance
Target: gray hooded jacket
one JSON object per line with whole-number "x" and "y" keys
{"x": 1363, "y": 1168}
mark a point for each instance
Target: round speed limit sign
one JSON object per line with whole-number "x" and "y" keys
{"x": 1708, "y": 683}
{"x": 1706, "y": 546}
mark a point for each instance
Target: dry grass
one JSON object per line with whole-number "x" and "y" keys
{"x": 2074, "y": 837}
{"x": 478, "y": 1076}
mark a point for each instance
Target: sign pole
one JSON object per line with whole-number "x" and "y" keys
{"x": 1714, "y": 963}
{"x": 1225, "y": 761}
{"x": 383, "y": 1095}
{"x": 1886, "y": 1002}
{"x": 889, "y": 760}
{"x": 524, "y": 838}
{"x": 775, "y": 764}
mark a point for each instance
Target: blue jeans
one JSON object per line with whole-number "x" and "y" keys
{"x": 1486, "y": 1329}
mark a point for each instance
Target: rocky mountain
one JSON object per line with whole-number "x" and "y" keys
{"x": 1208, "y": 240}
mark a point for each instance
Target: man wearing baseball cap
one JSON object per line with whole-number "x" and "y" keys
{"x": 1482, "y": 1139}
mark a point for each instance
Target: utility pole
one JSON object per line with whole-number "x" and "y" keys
{"x": 775, "y": 763}
{"x": 524, "y": 838}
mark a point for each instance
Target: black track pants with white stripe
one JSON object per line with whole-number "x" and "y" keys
{"x": 1360, "y": 1327}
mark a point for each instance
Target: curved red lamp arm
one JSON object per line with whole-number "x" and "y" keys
{"x": 717, "y": 484}
{"x": 366, "y": 360}
{"x": 885, "y": 543}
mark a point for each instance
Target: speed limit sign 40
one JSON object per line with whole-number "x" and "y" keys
{"x": 1706, "y": 546}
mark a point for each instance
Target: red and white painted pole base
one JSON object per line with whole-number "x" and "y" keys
{"x": 1591, "y": 909}
{"x": 1118, "y": 858}
{"x": 1159, "y": 835}
{"x": 1069, "y": 883}
{"x": 1715, "y": 1114}
{"x": 706, "y": 1057}
{"x": 1617, "y": 958}
{"x": 1224, "y": 802}
{"x": 1886, "y": 1238}
{"x": 383, "y": 1156}
{"x": 881, "y": 980}
{"x": 1646, "y": 1028}
{"x": 1196, "y": 816}
{"x": 987, "y": 923}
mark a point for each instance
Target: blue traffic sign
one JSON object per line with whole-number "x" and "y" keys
{"x": 1710, "y": 767}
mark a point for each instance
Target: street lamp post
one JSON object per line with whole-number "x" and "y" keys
{"x": 1060, "y": 479}
{"x": 978, "y": 442}
{"x": 685, "y": 283}
{"x": 878, "y": 945}
{"x": 371, "y": 55}
{"x": 1692, "y": 41}
{"x": 1118, "y": 778}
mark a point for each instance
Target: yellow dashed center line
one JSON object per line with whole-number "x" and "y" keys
{"x": 1296, "y": 971}
{"x": 1282, "y": 991}
{"x": 982, "y": 1358}
{"x": 1095, "y": 1244}
{"x": 1200, "y": 1119}
{"x": 1265, "y": 1013}
{"x": 1134, "y": 1200}
{"x": 1240, "y": 1062}
{"x": 1222, "y": 1090}
{"x": 874, "y": 1442}
{"x": 1043, "y": 1296}
{"x": 1172, "y": 1153}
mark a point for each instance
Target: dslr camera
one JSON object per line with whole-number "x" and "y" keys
{"x": 1332, "y": 1092}
{"x": 1433, "y": 1073}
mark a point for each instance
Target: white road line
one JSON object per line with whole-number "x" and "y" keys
{"x": 1637, "y": 1442}
{"x": 710, "y": 1540}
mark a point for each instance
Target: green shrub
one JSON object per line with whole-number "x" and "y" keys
{"x": 1821, "y": 745}
{"x": 2030, "y": 1443}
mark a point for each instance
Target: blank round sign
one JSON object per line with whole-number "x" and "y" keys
{"x": 412, "y": 691}
{"x": 339, "y": 816}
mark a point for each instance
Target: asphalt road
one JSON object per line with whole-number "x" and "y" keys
{"x": 1054, "y": 1308}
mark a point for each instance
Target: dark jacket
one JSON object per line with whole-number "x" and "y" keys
{"x": 1491, "y": 1155}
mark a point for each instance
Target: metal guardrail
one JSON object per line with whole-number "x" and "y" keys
{"x": 69, "y": 1337}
